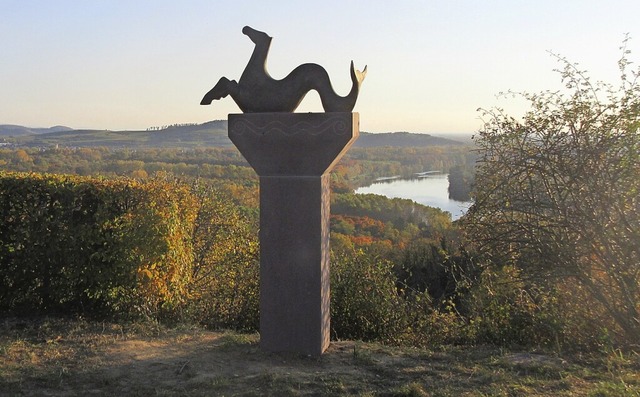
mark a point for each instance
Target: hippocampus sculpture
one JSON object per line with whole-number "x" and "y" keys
{"x": 256, "y": 91}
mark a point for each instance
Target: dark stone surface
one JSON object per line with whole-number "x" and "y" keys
{"x": 257, "y": 92}
{"x": 294, "y": 264}
{"x": 293, "y": 154}
{"x": 293, "y": 143}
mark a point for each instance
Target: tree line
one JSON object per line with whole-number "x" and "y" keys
{"x": 164, "y": 127}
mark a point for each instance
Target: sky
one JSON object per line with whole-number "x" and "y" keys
{"x": 121, "y": 64}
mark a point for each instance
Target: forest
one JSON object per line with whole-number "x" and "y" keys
{"x": 547, "y": 257}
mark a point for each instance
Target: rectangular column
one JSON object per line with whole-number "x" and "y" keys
{"x": 294, "y": 263}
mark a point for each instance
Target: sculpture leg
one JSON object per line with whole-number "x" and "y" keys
{"x": 223, "y": 88}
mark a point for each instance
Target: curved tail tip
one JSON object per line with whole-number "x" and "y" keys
{"x": 357, "y": 74}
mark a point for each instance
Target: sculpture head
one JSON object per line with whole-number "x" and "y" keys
{"x": 256, "y": 36}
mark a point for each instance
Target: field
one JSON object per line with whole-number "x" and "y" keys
{"x": 56, "y": 357}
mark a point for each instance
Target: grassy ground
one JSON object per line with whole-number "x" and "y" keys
{"x": 57, "y": 357}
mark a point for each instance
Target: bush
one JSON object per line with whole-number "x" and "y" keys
{"x": 224, "y": 290}
{"x": 93, "y": 246}
{"x": 503, "y": 310}
{"x": 365, "y": 303}
{"x": 557, "y": 194}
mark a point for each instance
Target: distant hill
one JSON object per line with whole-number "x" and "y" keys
{"x": 213, "y": 133}
{"x": 18, "y": 130}
{"x": 401, "y": 139}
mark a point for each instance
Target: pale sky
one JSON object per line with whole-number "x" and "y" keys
{"x": 122, "y": 64}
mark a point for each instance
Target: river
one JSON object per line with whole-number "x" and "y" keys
{"x": 430, "y": 189}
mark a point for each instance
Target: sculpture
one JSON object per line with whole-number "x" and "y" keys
{"x": 293, "y": 154}
{"x": 258, "y": 92}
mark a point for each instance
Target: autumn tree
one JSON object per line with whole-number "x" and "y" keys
{"x": 556, "y": 192}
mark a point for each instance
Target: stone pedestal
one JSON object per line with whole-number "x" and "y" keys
{"x": 293, "y": 154}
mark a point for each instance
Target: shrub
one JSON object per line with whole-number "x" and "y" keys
{"x": 503, "y": 310}
{"x": 365, "y": 303}
{"x": 368, "y": 304}
{"x": 557, "y": 193}
{"x": 93, "y": 246}
{"x": 224, "y": 290}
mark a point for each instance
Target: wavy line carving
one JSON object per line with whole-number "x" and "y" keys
{"x": 335, "y": 125}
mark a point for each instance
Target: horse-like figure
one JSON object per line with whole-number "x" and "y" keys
{"x": 256, "y": 91}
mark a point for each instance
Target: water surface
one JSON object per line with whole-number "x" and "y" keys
{"x": 430, "y": 189}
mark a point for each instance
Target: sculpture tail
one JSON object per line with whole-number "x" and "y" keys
{"x": 357, "y": 77}
{"x": 346, "y": 103}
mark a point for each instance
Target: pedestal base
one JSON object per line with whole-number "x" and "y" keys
{"x": 293, "y": 154}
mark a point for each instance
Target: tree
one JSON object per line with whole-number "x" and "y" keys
{"x": 460, "y": 182}
{"x": 556, "y": 192}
